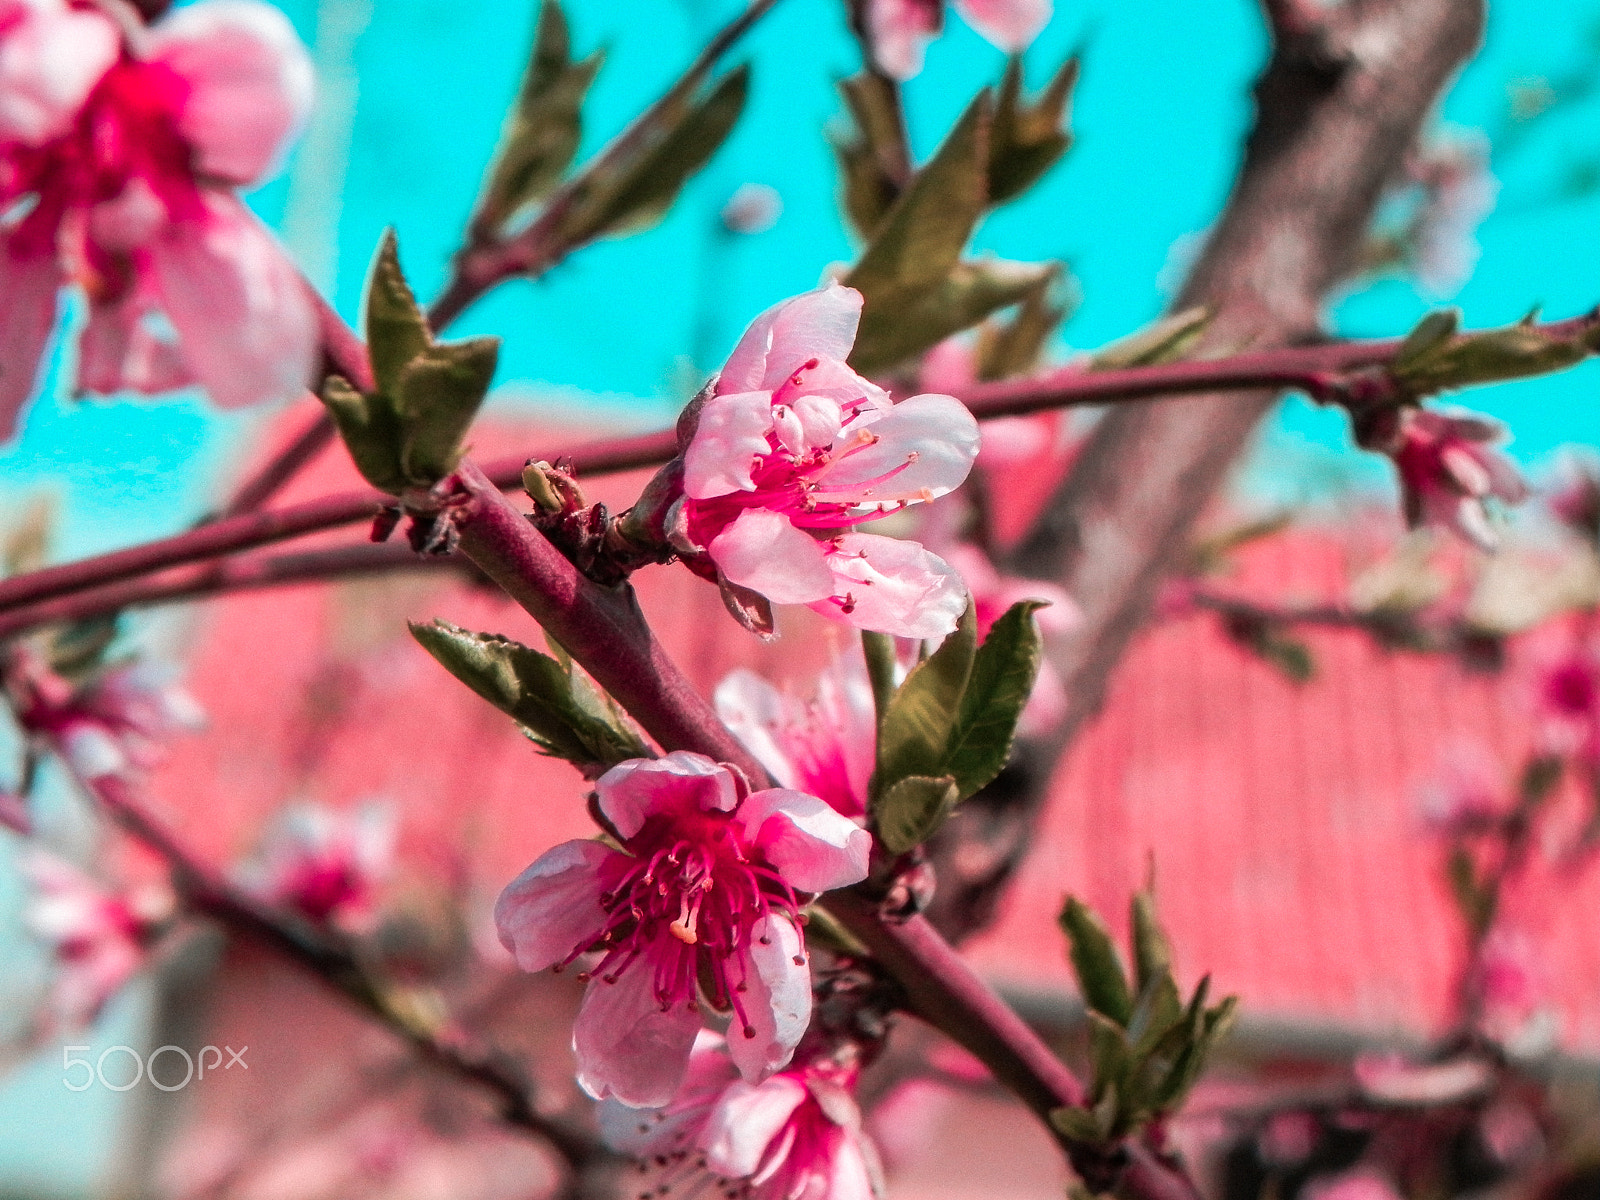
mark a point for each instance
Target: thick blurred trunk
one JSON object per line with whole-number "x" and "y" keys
{"x": 1338, "y": 108}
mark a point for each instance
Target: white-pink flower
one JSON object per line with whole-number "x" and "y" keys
{"x": 325, "y": 865}
{"x": 98, "y": 937}
{"x": 1466, "y": 794}
{"x": 794, "y": 449}
{"x": 706, "y": 887}
{"x": 118, "y": 722}
{"x": 824, "y": 746}
{"x": 1566, "y": 704}
{"x": 795, "y": 1136}
{"x": 118, "y": 169}
{"x": 1448, "y": 468}
{"x": 899, "y": 30}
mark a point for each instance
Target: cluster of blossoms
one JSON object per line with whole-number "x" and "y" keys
{"x": 793, "y": 449}
{"x": 120, "y": 152}
{"x": 704, "y": 885}
{"x": 899, "y": 30}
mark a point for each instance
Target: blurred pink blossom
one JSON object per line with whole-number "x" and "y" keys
{"x": 1465, "y": 795}
{"x": 1448, "y": 469}
{"x": 1360, "y": 1183}
{"x": 325, "y": 865}
{"x": 1566, "y": 703}
{"x": 705, "y": 886}
{"x": 119, "y": 164}
{"x": 795, "y": 1136}
{"x": 98, "y": 937}
{"x": 794, "y": 449}
{"x": 1460, "y": 194}
{"x": 900, "y": 30}
{"x": 1511, "y": 989}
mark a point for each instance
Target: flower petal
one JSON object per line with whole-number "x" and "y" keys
{"x": 244, "y": 316}
{"x": 250, "y": 84}
{"x": 900, "y": 32}
{"x": 119, "y": 352}
{"x": 627, "y": 1047}
{"x": 813, "y": 847}
{"x": 929, "y": 442}
{"x": 760, "y": 550}
{"x": 777, "y": 999}
{"x": 817, "y": 324}
{"x": 744, "y": 1122}
{"x": 1009, "y": 24}
{"x": 753, "y": 709}
{"x": 646, "y": 1133}
{"x": 633, "y": 791}
{"x": 553, "y": 907}
{"x": 894, "y": 587}
{"x": 51, "y": 57}
{"x": 730, "y": 436}
{"x": 28, "y": 289}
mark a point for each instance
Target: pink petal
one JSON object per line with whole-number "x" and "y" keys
{"x": 51, "y": 57}
{"x": 250, "y": 84}
{"x": 731, "y": 435}
{"x": 937, "y": 430}
{"x": 753, "y": 709}
{"x": 28, "y": 291}
{"x": 817, "y": 324}
{"x": 643, "y": 1134}
{"x": 120, "y": 352}
{"x": 813, "y": 847}
{"x": 745, "y": 1121}
{"x": 633, "y": 791}
{"x": 897, "y": 587}
{"x": 1009, "y": 24}
{"x": 778, "y": 999}
{"x": 763, "y": 552}
{"x": 553, "y": 907}
{"x": 851, "y": 1176}
{"x": 834, "y": 380}
{"x": 900, "y": 32}
{"x": 627, "y": 1047}
{"x": 244, "y": 316}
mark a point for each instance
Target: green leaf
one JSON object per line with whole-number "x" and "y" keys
{"x": 1028, "y": 139}
{"x": 439, "y": 394}
{"x": 912, "y": 809}
{"x": 867, "y": 158}
{"x": 1428, "y": 336}
{"x": 915, "y": 731}
{"x": 1168, "y": 340}
{"x": 1539, "y": 778}
{"x": 640, "y": 194}
{"x": 1152, "y": 955}
{"x": 1003, "y": 673}
{"x": 1156, "y": 1013}
{"x": 370, "y": 431}
{"x": 1434, "y": 357}
{"x": 560, "y": 711}
{"x": 1016, "y": 346}
{"x": 1095, "y": 962}
{"x": 1108, "y": 1053}
{"x": 1076, "y": 1124}
{"x": 397, "y": 331}
{"x": 878, "y": 650}
{"x": 922, "y": 237}
{"x": 1475, "y": 900}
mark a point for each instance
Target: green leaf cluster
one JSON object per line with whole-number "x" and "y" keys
{"x": 559, "y": 709}
{"x": 948, "y": 729}
{"x": 872, "y": 153}
{"x": 543, "y": 128}
{"x": 1028, "y": 136}
{"x": 917, "y": 288}
{"x": 1147, "y": 1046}
{"x": 1437, "y": 357}
{"x": 407, "y": 432}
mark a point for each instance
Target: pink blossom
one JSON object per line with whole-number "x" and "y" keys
{"x": 1466, "y": 794}
{"x": 795, "y": 1136}
{"x": 1511, "y": 989}
{"x": 794, "y": 449}
{"x": 1448, "y": 469}
{"x": 119, "y": 163}
{"x": 98, "y": 937}
{"x": 899, "y": 30}
{"x": 824, "y": 746}
{"x": 1566, "y": 704}
{"x": 114, "y": 724}
{"x": 325, "y": 865}
{"x": 707, "y": 886}
{"x": 1460, "y": 193}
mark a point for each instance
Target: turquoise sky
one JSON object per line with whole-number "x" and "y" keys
{"x": 412, "y": 92}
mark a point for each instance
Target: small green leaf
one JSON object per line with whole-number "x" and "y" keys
{"x": 1428, "y": 336}
{"x": 914, "y": 735}
{"x": 1108, "y": 1053}
{"x": 1003, "y": 673}
{"x": 1168, "y": 340}
{"x": 1156, "y": 1013}
{"x": 438, "y": 396}
{"x": 878, "y": 650}
{"x": 560, "y": 711}
{"x": 370, "y": 431}
{"x": 1436, "y": 358}
{"x": 1539, "y": 778}
{"x": 1015, "y": 347}
{"x": 1028, "y": 139}
{"x": 912, "y": 809}
{"x": 871, "y": 159}
{"x": 1096, "y": 963}
{"x": 1076, "y": 1124}
{"x": 397, "y": 331}
{"x": 1152, "y": 955}
{"x": 1475, "y": 900}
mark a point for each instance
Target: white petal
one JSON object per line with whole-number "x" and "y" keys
{"x": 250, "y": 84}
{"x": 731, "y": 435}
{"x": 633, "y": 791}
{"x": 627, "y": 1047}
{"x": 777, "y": 999}
{"x": 745, "y": 1121}
{"x": 896, "y": 587}
{"x": 1009, "y": 24}
{"x": 753, "y": 709}
{"x": 763, "y": 552}
{"x": 813, "y": 847}
{"x": 817, "y": 324}
{"x": 51, "y": 57}
{"x": 553, "y": 907}
{"x": 933, "y": 438}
